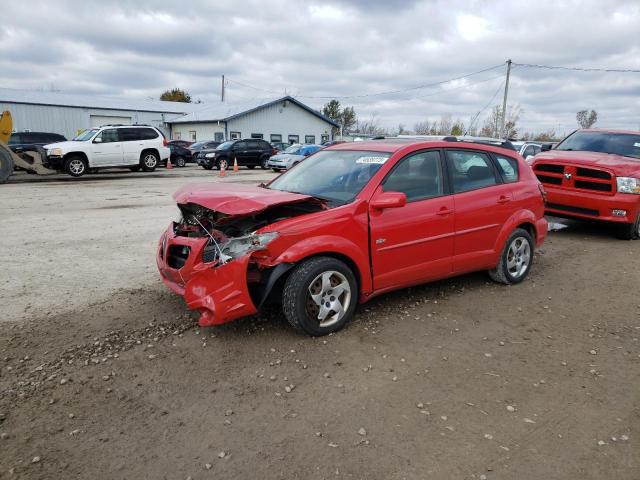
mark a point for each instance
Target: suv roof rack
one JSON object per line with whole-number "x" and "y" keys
{"x": 496, "y": 142}
{"x": 126, "y": 125}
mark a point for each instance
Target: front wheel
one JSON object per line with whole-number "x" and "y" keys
{"x": 515, "y": 260}
{"x": 149, "y": 161}
{"x": 76, "y": 166}
{"x": 630, "y": 231}
{"x": 223, "y": 163}
{"x": 320, "y": 296}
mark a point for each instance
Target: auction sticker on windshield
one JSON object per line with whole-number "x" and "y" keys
{"x": 375, "y": 160}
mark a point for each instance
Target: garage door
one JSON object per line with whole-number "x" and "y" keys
{"x": 99, "y": 120}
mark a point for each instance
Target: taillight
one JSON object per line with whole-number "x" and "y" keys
{"x": 273, "y": 150}
{"x": 543, "y": 193}
{"x": 165, "y": 142}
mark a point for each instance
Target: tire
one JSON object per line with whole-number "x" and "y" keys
{"x": 275, "y": 170}
{"x": 76, "y": 166}
{"x": 515, "y": 260}
{"x": 180, "y": 162}
{"x": 251, "y": 167}
{"x": 221, "y": 162}
{"x": 6, "y": 164}
{"x": 322, "y": 275}
{"x": 264, "y": 162}
{"x": 630, "y": 231}
{"x": 135, "y": 169}
{"x": 149, "y": 161}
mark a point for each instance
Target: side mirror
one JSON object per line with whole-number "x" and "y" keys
{"x": 545, "y": 147}
{"x": 97, "y": 140}
{"x": 384, "y": 200}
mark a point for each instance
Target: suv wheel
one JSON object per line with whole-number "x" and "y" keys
{"x": 320, "y": 296}
{"x": 180, "y": 162}
{"x": 76, "y": 166}
{"x": 630, "y": 231}
{"x": 149, "y": 161}
{"x": 515, "y": 260}
{"x": 264, "y": 163}
{"x": 223, "y": 163}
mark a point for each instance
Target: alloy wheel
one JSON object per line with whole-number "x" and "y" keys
{"x": 518, "y": 257}
{"x": 76, "y": 166}
{"x": 150, "y": 160}
{"x": 328, "y": 297}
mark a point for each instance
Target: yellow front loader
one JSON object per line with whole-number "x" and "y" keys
{"x": 31, "y": 161}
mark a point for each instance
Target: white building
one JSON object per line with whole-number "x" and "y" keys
{"x": 67, "y": 114}
{"x": 283, "y": 120}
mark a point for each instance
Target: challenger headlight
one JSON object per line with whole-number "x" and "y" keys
{"x": 210, "y": 155}
{"x": 628, "y": 185}
{"x": 55, "y": 152}
{"x": 237, "y": 247}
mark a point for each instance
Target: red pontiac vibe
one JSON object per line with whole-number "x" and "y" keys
{"x": 351, "y": 222}
{"x": 594, "y": 174}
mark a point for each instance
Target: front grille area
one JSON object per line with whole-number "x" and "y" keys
{"x": 575, "y": 178}
{"x": 571, "y": 209}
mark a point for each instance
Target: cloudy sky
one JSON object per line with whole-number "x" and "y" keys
{"x": 352, "y": 50}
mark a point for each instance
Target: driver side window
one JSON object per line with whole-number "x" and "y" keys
{"x": 418, "y": 176}
{"x": 108, "y": 136}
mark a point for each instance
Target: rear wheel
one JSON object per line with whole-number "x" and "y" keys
{"x": 180, "y": 162}
{"x": 149, "y": 161}
{"x": 76, "y": 166}
{"x": 515, "y": 260}
{"x": 264, "y": 163}
{"x": 630, "y": 231}
{"x": 320, "y": 296}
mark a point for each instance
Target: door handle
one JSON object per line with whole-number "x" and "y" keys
{"x": 444, "y": 211}
{"x": 503, "y": 199}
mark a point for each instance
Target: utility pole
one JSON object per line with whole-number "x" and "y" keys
{"x": 222, "y": 90}
{"x": 504, "y": 101}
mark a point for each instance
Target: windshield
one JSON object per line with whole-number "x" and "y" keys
{"x": 625, "y": 144}
{"x": 196, "y": 145}
{"x": 294, "y": 149}
{"x": 225, "y": 146}
{"x": 334, "y": 175}
{"x": 86, "y": 135}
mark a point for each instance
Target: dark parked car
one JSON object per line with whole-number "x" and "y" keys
{"x": 180, "y": 155}
{"x": 196, "y": 147}
{"x": 249, "y": 153}
{"x": 181, "y": 143}
{"x": 21, "y": 141}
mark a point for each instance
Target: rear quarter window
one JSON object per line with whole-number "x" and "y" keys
{"x": 508, "y": 168}
{"x": 147, "y": 133}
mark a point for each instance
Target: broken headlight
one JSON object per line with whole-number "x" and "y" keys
{"x": 237, "y": 247}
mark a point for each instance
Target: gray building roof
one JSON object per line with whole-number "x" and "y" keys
{"x": 225, "y": 111}
{"x": 35, "y": 97}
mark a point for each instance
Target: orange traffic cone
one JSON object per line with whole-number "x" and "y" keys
{"x": 169, "y": 165}
{"x": 223, "y": 171}
{"x": 235, "y": 164}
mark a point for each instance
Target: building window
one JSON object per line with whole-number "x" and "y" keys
{"x": 257, "y": 135}
{"x": 294, "y": 138}
{"x": 192, "y": 135}
{"x": 177, "y": 136}
{"x": 235, "y": 135}
{"x": 218, "y": 137}
{"x": 309, "y": 139}
{"x": 324, "y": 138}
{"x": 276, "y": 138}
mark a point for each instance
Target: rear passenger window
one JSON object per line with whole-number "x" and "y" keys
{"x": 508, "y": 168}
{"x": 470, "y": 170}
{"x": 147, "y": 133}
{"x": 129, "y": 134}
{"x": 418, "y": 176}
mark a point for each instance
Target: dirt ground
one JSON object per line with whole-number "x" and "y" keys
{"x": 460, "y": 379}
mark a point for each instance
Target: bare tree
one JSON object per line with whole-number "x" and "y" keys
{"x": 492, "y": 123}
{"x": 422, "y": 128}
{"x": 370, "y": 126}
{"x": 586, "y": 118}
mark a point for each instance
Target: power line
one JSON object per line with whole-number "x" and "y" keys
{"x": 475, "y": 117}
{"x": 367, "y": 95}
{"x": 577, "y": 69}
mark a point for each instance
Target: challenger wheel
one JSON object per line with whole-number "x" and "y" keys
{"x": 76, "y": 166}
{"x": 515, "y": 260}
{"x": 320, "y": 296}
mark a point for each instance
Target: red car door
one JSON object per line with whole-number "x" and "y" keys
{"x": 482, "y": 204}
{"x": 413, "y": 243}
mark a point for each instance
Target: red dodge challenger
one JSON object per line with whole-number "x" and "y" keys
{"x": 351, "y": 222}
{"x": 594, "y": 174}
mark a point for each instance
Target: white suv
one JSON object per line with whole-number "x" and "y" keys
{"x": 133, "y": 146}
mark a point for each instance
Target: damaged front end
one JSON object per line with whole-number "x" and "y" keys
{"x": 222, "y": 263}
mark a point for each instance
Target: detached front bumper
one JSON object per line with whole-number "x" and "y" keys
{"x": 618, "y": 208}
{"x": 219, "y": 292}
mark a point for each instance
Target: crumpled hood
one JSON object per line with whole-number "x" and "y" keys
{"x": 619, "y": 164}
{"x": 287, "y": 156}
{"x": 235, "y": 199}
